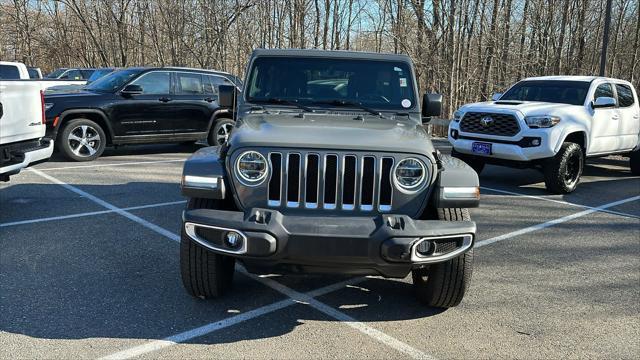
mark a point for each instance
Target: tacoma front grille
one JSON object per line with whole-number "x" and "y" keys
{"x": 490, "y": 124}
{"x": 330, "y": 181}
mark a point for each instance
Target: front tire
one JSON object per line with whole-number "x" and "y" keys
{"x": 562, "y": 172}
{"x": 634, "y": 162}
{"x": 204, "y": 273}
{"x": 444, "y": 284}
{"x": 81, "y": 140}
{"x": 219, "y": 134}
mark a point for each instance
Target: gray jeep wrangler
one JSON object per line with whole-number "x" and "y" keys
{"x": 329, "y": 170}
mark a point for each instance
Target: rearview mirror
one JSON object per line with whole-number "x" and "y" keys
{"x": 431, "y": 106}
{"x": 132, "y": 89}
{"x": 226, "y": 96}
{"x": 496, "y": 96}
{"x": 604, "y": 102}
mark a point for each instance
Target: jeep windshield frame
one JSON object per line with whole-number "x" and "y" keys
{"x": 569, "y": 92}
{"x": 332, "y": 83}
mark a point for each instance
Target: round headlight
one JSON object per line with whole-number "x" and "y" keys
{"x": 409, "y": 174}
{"x": 251, "y": 168}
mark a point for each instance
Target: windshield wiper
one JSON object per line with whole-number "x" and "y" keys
{"x": 292, "y": 102}
{"x": 338, "y": 102}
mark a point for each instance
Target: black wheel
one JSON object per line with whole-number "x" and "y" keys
{"x": 205, "y": 274}
{"x": 444, "y": 284}
{"x": 476, "y": 163}
{"x": 634, "y": 162}
{"x": 562, "y": 172}
{"x": 81, "y": 140}
{"x": 219, "y": 134}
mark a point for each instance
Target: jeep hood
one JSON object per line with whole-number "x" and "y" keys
{"x": 330, "y": 131}
{"x": 526, "y": 108}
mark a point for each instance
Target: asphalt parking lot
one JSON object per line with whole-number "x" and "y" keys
{"x": 89, "y": 267}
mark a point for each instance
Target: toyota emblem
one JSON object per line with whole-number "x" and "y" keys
{"x": 486, "y": 121}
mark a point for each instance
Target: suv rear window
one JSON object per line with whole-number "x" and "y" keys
{"x": 625, "y": 95}
{"x": 9, "y": 72}
{"x": 189, "y": 84}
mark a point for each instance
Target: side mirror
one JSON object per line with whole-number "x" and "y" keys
{"x": 496, "y": 96}
{"x": 431, "y": 106}
{"x": 132, "y": 89}
{"x": 226, "y": 96}
{"x": 604, "y": 102}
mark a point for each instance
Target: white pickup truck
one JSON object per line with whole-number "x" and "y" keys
{"x": 19, "y": 71}
{"x": 553, "y": 123}
{"x": 22, "y": 127}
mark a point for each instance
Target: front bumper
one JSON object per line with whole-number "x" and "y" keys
{"x": 388, "y": 245}
{"x": 509, "y": 148}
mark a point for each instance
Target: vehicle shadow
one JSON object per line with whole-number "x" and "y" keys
{"x": 133, "y": 150}
{"x": 104, "y": 276}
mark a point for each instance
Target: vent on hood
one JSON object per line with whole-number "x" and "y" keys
{"x": 507, "y": 102}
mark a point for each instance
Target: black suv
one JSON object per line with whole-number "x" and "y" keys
{"x": 137, "y": 106}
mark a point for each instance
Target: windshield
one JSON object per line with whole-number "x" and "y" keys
{"x": 552, "y": 91}
{"x": 98, "y": 74}
{"x": 56, "y": 73}
{"x": 385, "y": 85}
{"x": 113, "y": 81}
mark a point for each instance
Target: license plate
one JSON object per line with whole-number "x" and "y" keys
{"x": 481, "y": 148}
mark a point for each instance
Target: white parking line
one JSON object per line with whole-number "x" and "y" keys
{"x": 553, "y": 222}
{"x": 92, "y": 213}
{"x": 336, "y": 314}
{"x": 559, "y": 202}
{"x": 111, "y": 164}
{"x": 218, "y": 325}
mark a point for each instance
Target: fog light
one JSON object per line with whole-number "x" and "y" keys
{"x": 535, "y": 142}
{"x": 233, "y": 240}
{"x": 454, "y": 134}
{"x": 425, "y": 248}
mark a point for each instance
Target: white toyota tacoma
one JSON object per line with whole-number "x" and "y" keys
{"x": 22, "y": 127}
{"x": 552, "y": 123}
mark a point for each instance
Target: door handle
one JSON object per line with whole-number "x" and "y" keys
{"x": 208, "y": 99}
{"x": 164, "y": 99}
{"x": 615, "y": 117}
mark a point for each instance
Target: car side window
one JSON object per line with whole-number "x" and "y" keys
{"x": 154, "y": 83}
{"x": 212, "y": 82}
{"x": 72, "y": 75}
{"x": 603, "y": 90}
{"x": 189, "y": 84}
{"x": 625, "y": 95}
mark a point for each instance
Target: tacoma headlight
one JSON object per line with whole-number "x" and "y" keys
{"x": 546, "y": 121}
{"x": 252, "y": 168}
{"x": 457, "y": 115}
{"x": 409, "y": 174}
{"x": 48, "y": 106}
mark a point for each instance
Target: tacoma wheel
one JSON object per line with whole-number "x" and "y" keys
{"x": 205, "y": 274}
{"x": 220, "y": 133}
{"x": 82, "y": 140}
{"x": 444, "y": 284}
{"x": 562, "y": 172}
{"x": 634, "y": 162}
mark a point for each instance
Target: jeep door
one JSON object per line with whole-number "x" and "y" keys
{"x": 604, "y": 125}
{"x": 629, "y": 123}
{"x": 194, "y": 103}
{"x": 148, "y": 113}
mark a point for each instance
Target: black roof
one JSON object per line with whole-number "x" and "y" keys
{"x": 344, "y": 54}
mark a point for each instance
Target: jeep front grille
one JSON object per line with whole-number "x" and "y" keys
{"x": 500, "y": 124}
{"x": 330, "y": 181}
